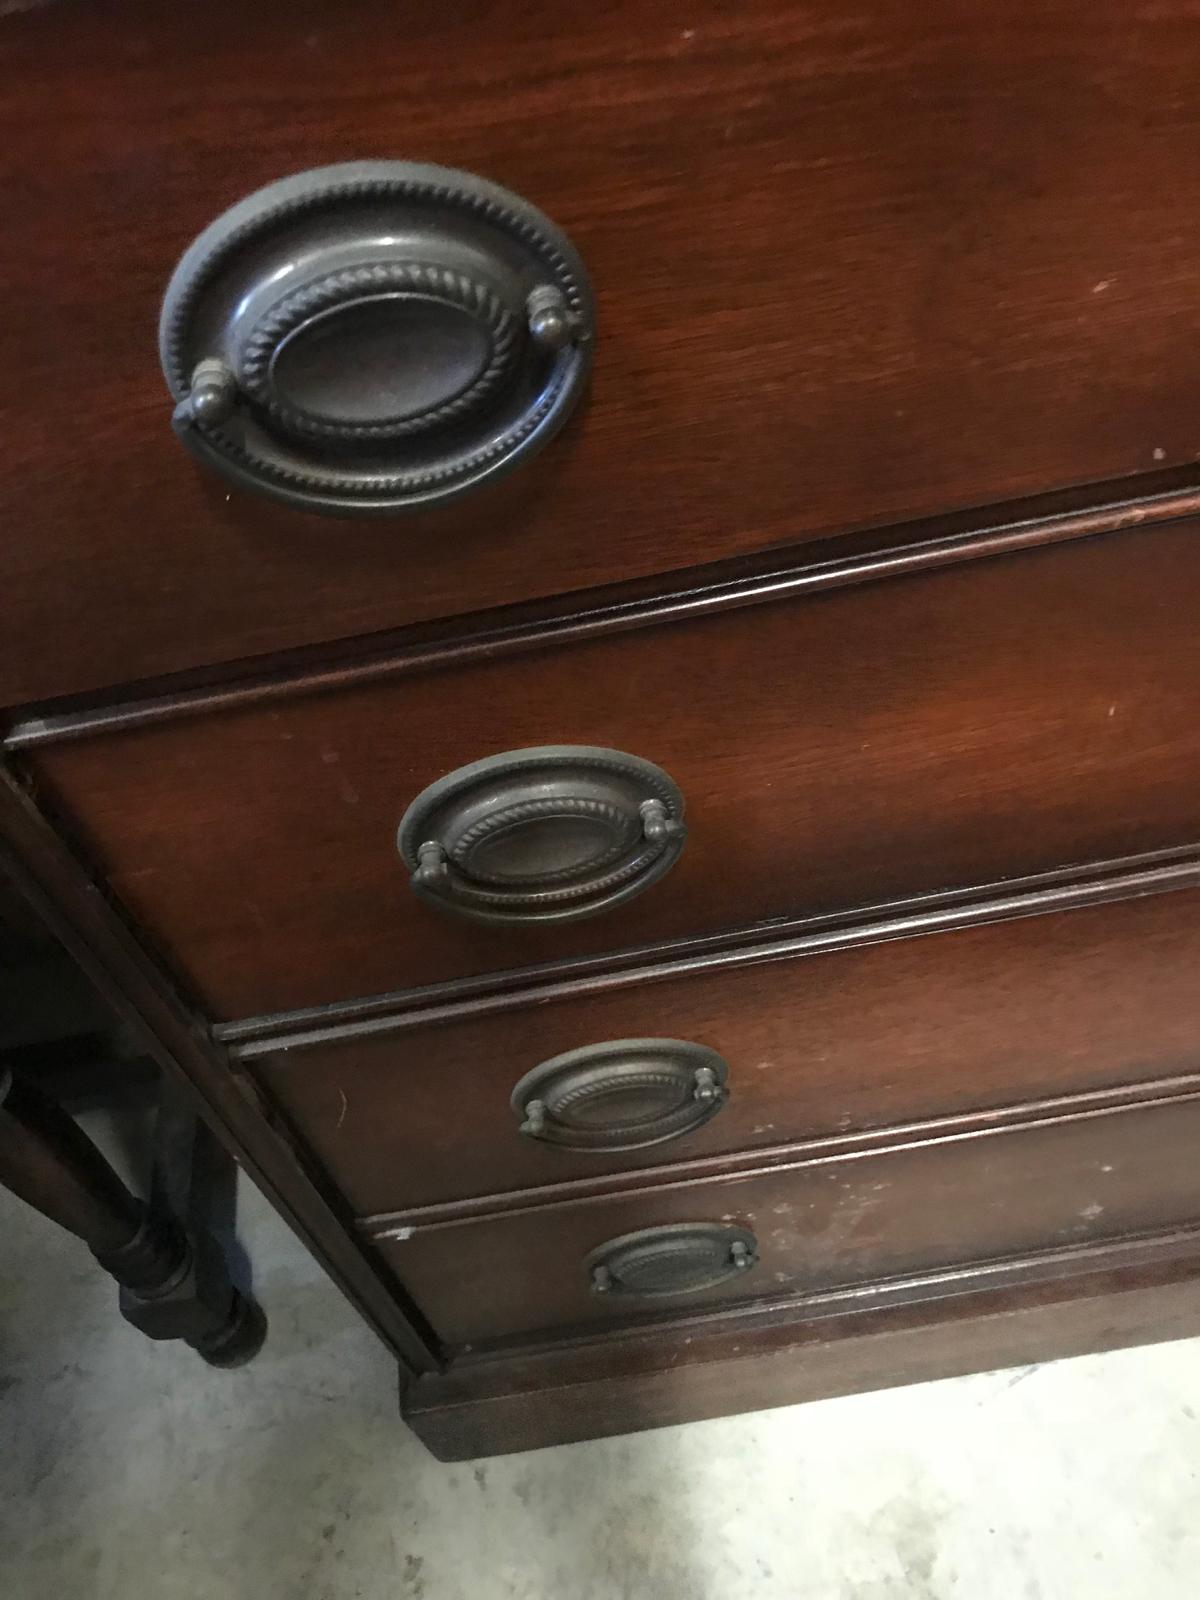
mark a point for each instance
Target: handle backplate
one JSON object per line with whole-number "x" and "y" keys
{"x": 677, "y": 1259}
{"x": 375, "y": 336}
{"x": 624, "y": 1094}
{"x": 549, "y": 834}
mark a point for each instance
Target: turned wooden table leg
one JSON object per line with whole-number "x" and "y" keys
{"x": 173, "y": 1281}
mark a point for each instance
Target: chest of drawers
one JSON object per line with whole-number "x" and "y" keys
{"x": 642, "y": 763}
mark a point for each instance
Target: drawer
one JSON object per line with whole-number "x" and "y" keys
{"x": 825, "y": 1223}
{"x": 815, "y": 1045}
{"x": 997, "y": 718}
{"x": 960, "y": 276}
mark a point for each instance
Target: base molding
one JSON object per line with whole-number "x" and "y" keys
{"x": 1000, "y": 1314}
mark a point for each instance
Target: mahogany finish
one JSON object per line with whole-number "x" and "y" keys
{"x": 852, "y": 267}
{"x": 814, "y": 568}
{"x": 817, "y": 1046}
{"x": 1056, "y": 1304}
{"x": 997, "y": 718}
{"x": 878, "y": 532}
{"x": 826, "y": 1222}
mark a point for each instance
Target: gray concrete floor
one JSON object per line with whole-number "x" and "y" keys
{"x": 129, "y": 1469}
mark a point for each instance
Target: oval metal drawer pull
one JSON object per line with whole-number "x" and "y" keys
{"x": 550, "y": 834}
{"x": 375, "y": 336}
{"x": 621, "y": 1095}
{"x": 681, "y": 1258}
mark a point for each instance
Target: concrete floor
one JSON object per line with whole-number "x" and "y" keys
{"x": 129, "y": 1469}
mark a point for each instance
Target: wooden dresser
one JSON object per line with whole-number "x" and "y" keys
{"x": 637, "y": 741}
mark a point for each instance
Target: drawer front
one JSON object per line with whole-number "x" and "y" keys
{"x": 829, "y": 1223}
{"x": 1001, "y": 717}
{"x": 942, "y": 230}
{"x": 981, "y": 1017}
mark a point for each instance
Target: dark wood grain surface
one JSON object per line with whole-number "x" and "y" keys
{"x": 1045, "y": 1005}
{"x": 862, "y": 274}
{"x": 1055, "y": 1304}
{"x": 1003, "y": 717}
{"x": 828, "y": 1222}
{"x": 853, "y": 266}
